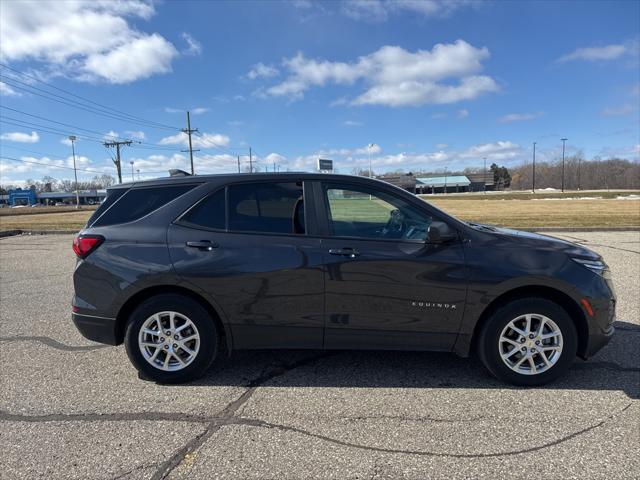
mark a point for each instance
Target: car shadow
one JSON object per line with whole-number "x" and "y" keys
{"x": 616, "y": 367}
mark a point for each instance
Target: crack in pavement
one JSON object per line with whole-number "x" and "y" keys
{"x": 227, "y": 414}
{"x": 50, "y": 342}
{"x": 260, "y": 423}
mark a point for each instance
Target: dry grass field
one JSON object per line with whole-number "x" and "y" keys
{"x": 539, "y": 212}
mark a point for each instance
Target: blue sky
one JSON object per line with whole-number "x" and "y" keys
{"x": 431, "y": 84}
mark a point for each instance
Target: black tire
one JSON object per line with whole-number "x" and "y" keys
{"x": 489, "y": 351}
{"x": 200, "y": 318}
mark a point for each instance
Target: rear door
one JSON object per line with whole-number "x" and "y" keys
{"x": 247, "y": 246}
{"x": 385, "y": 286}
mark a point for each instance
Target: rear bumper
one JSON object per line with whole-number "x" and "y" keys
{"x": 97, "y": 329}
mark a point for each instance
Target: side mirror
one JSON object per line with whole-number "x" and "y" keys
{"x": 440, "y": 232}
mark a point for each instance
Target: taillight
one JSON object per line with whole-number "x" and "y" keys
{"x": 83, "y": 245}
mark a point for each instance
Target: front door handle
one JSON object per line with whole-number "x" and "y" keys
{"x": 344, "y": 252}
{"x": 203, "y": 245}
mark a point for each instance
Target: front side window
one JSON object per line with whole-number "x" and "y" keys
{"x": 362, "y": 212}
{"x": 267, "y": 207}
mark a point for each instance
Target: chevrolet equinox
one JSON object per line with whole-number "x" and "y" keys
{"x": 181, "y": 267}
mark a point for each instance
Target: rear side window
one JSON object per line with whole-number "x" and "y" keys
{"x": 112, "y": 196}
{"x": 209, "y": 213}
{"x": 267, "y": 207}
{"x": 137, "y": 203}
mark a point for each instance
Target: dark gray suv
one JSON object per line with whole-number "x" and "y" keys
{"x": 179, "y": 267}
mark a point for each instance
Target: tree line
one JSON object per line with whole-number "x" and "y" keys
{"x": 579, "y": 173}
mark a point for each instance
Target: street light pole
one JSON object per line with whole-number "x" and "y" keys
{"x": 534, "y": 168}
{"x": 132, "y": 178}
{"x": 369, "y": 147}
{"x": 563, "y": 141}
{"x": 75, "y": 172}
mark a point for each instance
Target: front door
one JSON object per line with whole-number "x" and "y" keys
{"x": 256, "y": 262}
{"x": 385, "y": 287}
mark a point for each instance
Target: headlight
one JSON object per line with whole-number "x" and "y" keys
{"x": 596, "y": 266}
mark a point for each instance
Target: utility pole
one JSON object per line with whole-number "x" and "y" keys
{"x": 238, "y": 163}
{"x": 138, "y": 170}
{"x": 117, "y": 162}
{"x": 563, "y": 141}
{"x": 75, "y": 172}
{"x": 533, "y": 185}
{"x": 132, "y": 178}
{"x": 189, "y": 131}
{"x": 369, "y": 147}
{"x": 484, "y": 176}
{"x": 250, "y": 161}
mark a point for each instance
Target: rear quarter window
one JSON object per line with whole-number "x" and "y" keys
{"x": 138, "y": 202}
{"x": 112, "y": 196}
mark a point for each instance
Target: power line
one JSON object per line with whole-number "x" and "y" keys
{"x": 75, "y": 127}
{"x": 103, "y": 108}
{"x": 102, "y": 172}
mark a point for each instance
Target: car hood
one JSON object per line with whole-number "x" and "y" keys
{"x": 536, "y": 240}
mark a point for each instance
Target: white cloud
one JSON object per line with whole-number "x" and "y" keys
{"x": 136, "y": 134}
{"x": 603, "y": 53}
{"x": 261, "y": 70}
{"x": 346, "y": 159}
{"x": 464, "y": 113}
{"x": 203, "y": 140}
{"x": 376, "y": 11}
{"x": 441, "y": 146}
{"x": 519, "y": 117}
{"x": 66, "y": 141}
{"x": 137, "y": 59}
{"x": 85, "y": 40}
{"x": 194, "y": 47}
{"x": 21, "y": 137}
{"x": 395, "y": 77}
{"x": 110, "y": 136}
{"x": 7, "y": 91}
{"x": 235, "y": 123}
{"x": 352, "y": 123}
{"x": 194, "y": 111}
{"x": 619, "y": 111}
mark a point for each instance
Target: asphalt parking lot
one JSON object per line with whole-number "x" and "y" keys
{"x": 70, "y": 408}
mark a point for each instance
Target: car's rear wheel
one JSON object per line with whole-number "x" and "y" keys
{"x": 529, "y": 341}
{"x": 171, "y": 339}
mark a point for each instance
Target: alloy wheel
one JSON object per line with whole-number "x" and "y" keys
{"x": 530, "y": 344}
{"x": 169, "y": 341}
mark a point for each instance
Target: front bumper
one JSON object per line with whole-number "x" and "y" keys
{"x": 601, "y": 328}
{"x": 97, "y": 329}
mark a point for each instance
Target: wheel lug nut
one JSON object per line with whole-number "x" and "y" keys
{"x": 169, "y": 333}
{"x": 177, "y": 337}
{"x": 524, "y": 349}
{"x": 533, "y": 350}
{"x": 166, "y": 347}
{"x": 537, "y": 342}
{"x": 531, "y": 336}
{"x": 522, "y": 340}
{"x": 162, "y": 339}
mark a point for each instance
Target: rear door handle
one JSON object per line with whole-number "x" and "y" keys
{"x": 344, "y": 252}
{"x": 203, "y": 245}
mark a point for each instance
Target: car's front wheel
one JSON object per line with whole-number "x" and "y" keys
{"x": 171, "y": 339}
{"x": 529, "y": 341}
